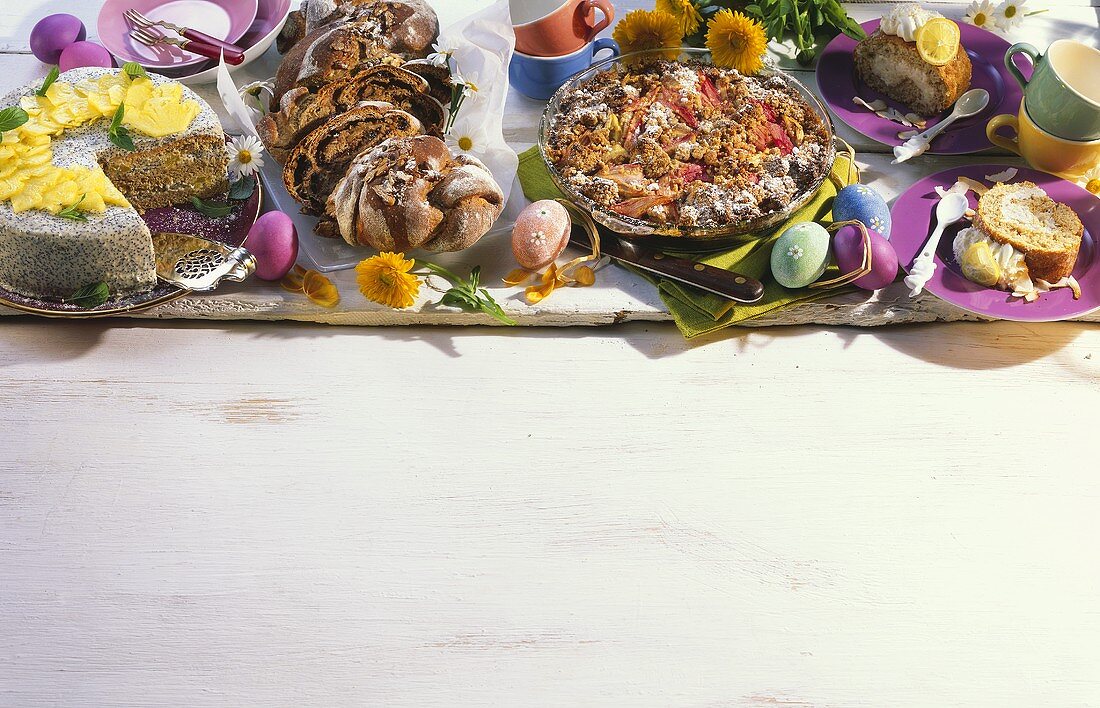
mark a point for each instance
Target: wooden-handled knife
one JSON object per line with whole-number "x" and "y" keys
{"x": 724, "y": 283}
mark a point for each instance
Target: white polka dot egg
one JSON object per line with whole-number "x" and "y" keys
{"x": 540, "y": 234}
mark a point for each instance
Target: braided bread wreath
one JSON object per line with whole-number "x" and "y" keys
{"x": 413, "y": 193}
{"x": 357, "y": 132}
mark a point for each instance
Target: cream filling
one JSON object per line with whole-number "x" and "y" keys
{"x": 905, "y": 20}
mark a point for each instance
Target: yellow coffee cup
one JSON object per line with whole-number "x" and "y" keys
{"x": 1070, "y": 159}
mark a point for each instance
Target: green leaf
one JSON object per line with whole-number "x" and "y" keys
{"x": 465, "y": 294}
{"x": 91, "y": 295}
{"x": 116, "y": 119}
{"x": 133, "y": 69}
{"x": 71, "y": 211}
{"x": 117, "y": 133}
{"x": 242, "y": 188}
{"x": 48, "y": 81}
{"x": 11, "y": 118}
{"x": 211, "y": 209}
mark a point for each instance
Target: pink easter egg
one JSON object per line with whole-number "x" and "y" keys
{"x": 540, "y": 234}
{"x": 274, "y": 241}
{"x": 53, "y": 33}
{"x": 80, "y": 54}
{"x": 848, "y": 249}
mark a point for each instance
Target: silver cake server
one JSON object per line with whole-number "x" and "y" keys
{"x": 197, "y": 263}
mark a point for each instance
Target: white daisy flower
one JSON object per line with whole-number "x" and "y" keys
{"x": 469, "y": 82}
{"x": 440, "y": 56}
{"x": 253, "y": 96}
{"x": 981, "y": 14}
{"x": 245, "y": 155}
{"x": 795, "y": 252}
{"x": 467, "y": 136}
{"x": 1010, "y": 13}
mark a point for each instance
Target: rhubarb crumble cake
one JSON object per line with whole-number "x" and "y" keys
{"x": 687, "y": 145}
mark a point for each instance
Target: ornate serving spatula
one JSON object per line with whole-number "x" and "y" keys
{"x": 199, "y": 264}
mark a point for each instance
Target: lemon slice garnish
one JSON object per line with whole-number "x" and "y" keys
{"x": 938, "y": 41}
{"x": 979, "y": 265}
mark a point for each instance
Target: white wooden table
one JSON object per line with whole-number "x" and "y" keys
{"x": 282, "y": 514}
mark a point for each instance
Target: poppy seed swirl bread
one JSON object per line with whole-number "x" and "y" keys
{"x": 353, "y": 37}
{"x": 301, "y": 112}
{"x": 321, "y": 160}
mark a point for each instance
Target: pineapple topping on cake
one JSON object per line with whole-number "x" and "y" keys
{"x": 99, "y": 146}
{"x": 925, "y": 73}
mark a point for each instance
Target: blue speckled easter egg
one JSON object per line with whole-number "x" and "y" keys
{"x": 800, "y": 255}
{"x": 857, "y": 202}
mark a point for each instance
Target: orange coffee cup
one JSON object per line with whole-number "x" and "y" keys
{"x": 563, "y": 30}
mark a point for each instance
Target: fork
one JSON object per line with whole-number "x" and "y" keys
{"x": 139, "y": 20}
{"x": 146, "y": 37}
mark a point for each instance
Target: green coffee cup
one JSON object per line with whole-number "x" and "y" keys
{"x": 1063, "y": 95}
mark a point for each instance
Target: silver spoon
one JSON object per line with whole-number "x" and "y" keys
{"x": 949, "y": 210}
{"x": 969, "y": 104}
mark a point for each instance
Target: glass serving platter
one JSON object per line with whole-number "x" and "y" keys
{"x": 688, "y": 238}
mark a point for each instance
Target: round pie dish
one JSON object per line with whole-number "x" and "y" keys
{"x": 688, "y": 237}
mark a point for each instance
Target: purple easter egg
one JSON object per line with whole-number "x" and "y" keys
{"x": 79, "y": 54}
{"x": 274, "y": 241}
{"x": 848, "y": 250}
{"x": 52, "y": 34}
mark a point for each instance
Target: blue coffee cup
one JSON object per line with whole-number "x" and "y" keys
{"x": 540, "y": 77}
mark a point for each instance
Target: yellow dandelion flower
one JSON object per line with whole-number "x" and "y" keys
{"x": 648, "y": 29}
{"x": 685, "y": 13}
{"x": 737, "y": 41}
{"x": 385, "y": 279}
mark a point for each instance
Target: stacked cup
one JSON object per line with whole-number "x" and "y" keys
{"x": 555, "y": 40}
{"x": 1058, "y": 125}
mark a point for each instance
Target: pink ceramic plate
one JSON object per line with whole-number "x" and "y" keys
{"x": 269, "y": 21}
{"x": 913, "y": 216}
{"x": 224, "y": 19}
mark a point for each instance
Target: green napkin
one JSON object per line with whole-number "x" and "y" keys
{"x": 696, "y": 311}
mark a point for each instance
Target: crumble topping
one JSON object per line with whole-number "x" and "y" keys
{"x": 687, "y": 143}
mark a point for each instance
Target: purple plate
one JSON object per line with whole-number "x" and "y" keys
{"x": 839, "y": 84}
{"x": 231, "y": 230}
{"x": 270, "y": 17}
{"x": 228, "y": 20}
{"x": 913, "y": 215}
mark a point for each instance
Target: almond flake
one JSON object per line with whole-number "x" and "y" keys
{"x": 893, "y": 114}
{"x": 975, "y": 185}
{"x": 916, "y": 120}
{"x": 1003, "y": 176}
{"x": 876, "y": 106}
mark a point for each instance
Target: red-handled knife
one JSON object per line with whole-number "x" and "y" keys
{"x": 139, "y": 20}
{"x": 151, "y": 39}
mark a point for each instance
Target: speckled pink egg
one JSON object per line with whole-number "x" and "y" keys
{"x": 848, "y": 250}
{"x": 540, "y": 234}
{"x": 274, "y": 241}
{"x": 80, "y": 54}
{"x": 53, "y": 33}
